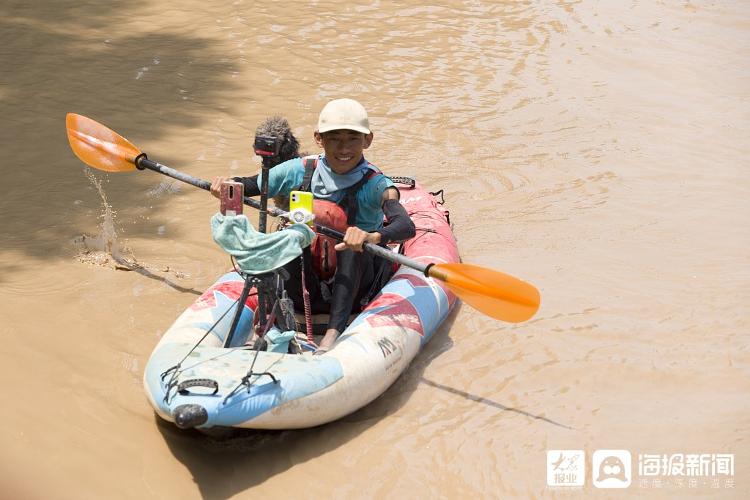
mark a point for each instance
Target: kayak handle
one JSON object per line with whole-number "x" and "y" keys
{"x": 198, "y": 382}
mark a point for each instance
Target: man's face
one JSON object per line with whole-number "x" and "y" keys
{"x": 343, "y": 148}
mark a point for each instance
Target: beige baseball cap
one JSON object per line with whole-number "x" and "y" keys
{"x": 344, "y": 114}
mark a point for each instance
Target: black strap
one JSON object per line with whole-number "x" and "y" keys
{"x": 310, "y": 163}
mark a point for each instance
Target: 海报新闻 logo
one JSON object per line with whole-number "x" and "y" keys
{"x": 611, "y": 469}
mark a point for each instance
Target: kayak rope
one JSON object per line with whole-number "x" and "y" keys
{"x": 442, "y": 196}
{"x": 421, "y": 214}
{"x": 281, "y": 308}
{"x": 270, "y": 320}
{"x": 245, "y": 381}
{"x": 175, "y": 370}
{"x": 422, "y": 231}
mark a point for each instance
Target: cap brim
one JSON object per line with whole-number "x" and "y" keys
{"x": 329, "y": 128}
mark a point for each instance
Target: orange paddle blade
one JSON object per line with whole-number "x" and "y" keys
{"x": 99, "y": 147}
{"x": 496, "y": 294}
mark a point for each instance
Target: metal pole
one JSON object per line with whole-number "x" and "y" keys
{"x": 264, "y": 195}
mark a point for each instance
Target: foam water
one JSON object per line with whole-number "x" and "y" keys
{"x": 103, "y": 249}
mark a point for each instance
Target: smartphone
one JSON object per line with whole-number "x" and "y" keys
{"x": 301, "y": 201}
{"x": 231, "y": 197}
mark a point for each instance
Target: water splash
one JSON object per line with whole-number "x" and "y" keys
{"x": 103, "y": 248}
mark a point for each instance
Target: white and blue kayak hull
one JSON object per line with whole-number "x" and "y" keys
{"x": 208, "y": 385}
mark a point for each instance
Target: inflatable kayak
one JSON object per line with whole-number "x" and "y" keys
{"x": 192, "y": 380}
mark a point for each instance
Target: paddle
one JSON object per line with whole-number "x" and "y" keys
{"x": 496, "y": 294}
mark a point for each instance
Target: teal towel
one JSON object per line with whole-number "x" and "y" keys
{"x": 277, "y": 340}
{"x": 255, "y": 252}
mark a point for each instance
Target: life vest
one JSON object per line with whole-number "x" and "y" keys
{"x": 338, "y": 216}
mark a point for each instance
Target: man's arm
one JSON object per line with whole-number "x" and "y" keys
{"x": 400, "y": 226}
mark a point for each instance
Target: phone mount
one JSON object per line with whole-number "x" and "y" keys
{"x": 267, "y": 147}
{"x": 298, "y": 216}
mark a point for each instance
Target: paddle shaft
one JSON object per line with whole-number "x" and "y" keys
{"x": 142, "y": 162}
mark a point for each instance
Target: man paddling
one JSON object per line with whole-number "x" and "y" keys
{"x": 357, "y": 197}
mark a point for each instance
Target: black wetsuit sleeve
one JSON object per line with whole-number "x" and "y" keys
{"x": 250, "y": 184}
{"x": 400, "y": 226}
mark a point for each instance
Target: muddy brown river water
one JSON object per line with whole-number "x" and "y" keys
{"x": 596, "y": 149}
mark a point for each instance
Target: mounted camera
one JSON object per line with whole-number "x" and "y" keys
{"x": 267, "y": 146}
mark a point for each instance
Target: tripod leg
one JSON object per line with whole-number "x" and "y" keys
{"x": 238, "y": 313}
